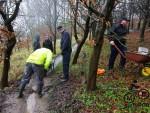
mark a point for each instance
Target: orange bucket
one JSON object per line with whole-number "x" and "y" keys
{"x": 100, "y": 71}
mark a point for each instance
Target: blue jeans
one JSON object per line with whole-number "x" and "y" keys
{"x": 66, "y": 61}
{"x": 31, "y": 69}
{"x": 114, "y": 54}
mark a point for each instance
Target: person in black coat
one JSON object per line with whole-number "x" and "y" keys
{"x": 36, "y": 42}
{"x": 48, "y": 43}
{"x": 118, "y": 33}
{"x": 66, "y": 50}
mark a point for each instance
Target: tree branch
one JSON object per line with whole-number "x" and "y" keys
{"x": 3, "y": 15}
{"x": 79, "y": 24}
{"x": 8, "y": 21}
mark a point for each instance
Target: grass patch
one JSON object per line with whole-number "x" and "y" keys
{"x": 106, "y": 99}
{"x": 82, "y": 66}
{"x": 109, "y": 96}
{"x": 17, "y": 63}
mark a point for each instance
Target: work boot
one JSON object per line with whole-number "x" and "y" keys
{"x": 63, "y": 80}
{"x": 21, "y": 91}
{"x": 39, "y": 91}
{"x": 20, "y": 95}
{"x": 40, "y": 94}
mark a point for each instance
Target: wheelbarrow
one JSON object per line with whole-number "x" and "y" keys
{"x": 138, "y": 58}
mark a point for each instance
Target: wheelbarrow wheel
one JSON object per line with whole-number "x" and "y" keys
{"x": 145, "y": 71}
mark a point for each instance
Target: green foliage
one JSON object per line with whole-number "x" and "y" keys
{"x": 17, "y": 63}
{"x": 83, "y": 61}
{"x": 87, "y": 98}
{"x": 110, "y": 94}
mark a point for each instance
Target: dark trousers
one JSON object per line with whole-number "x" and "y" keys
{"x": 114, "y": 54}
{"x": 31, "y": 69}
{"x": 66, "y": 61}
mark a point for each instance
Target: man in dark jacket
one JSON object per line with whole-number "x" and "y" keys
{"x": 48, "y": 42}
{"x": 118, "y": 33}
{"x": 66, "y": 50}
{"x": 36, "y": 42}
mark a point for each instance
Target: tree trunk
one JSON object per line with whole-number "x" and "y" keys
{"x": 4, "y": 79}
{"x": 91, "y": 84}
{"x": 95, "y": 59}
{"x": 7, "y": 54}
{"x": 143, "y": 30}
{"x": 82, "y": 41}
{"x": 139, "y": 24}
{"x": 11, "y": 42}
{"x": 55, "y": 31}
{"x": 130, "y": 14}
{"x": 146, "y": 16}
{"x": 132, "y": 24}
{"x": 75, "y": 21}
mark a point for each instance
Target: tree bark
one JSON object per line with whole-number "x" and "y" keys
{"x": 142, "y": 31}
{"x": 91, "y": 83}
{"x": 132, "y": 24}
{"x": 146, "y": 16}
{"x": 7, "y": 54}
{"x": 75, "y": 21}
{"x": 139, "y": 24}
{"x": 10, "y": 44}
{"x": 55, "y": 31}
{"x": 82, "y": 41}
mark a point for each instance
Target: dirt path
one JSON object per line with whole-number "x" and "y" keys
{"x": 13, "y": 105}
{"x": 57, "y": 98}
{"x": 31, "y": 103}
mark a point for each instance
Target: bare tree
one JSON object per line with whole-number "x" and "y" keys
{"x": 100, "y": 15}
{"x": 144, "y": 6}
{"x": 48, "y": 14}
{"x": 8, "y": 19}
{"x": 101, "y": 26}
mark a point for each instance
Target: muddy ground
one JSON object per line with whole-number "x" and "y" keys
{"x": 57, "y": 98}
{"x": 58, "y": 95}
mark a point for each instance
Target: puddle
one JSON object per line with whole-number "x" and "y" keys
{"x": 31, "y": 103}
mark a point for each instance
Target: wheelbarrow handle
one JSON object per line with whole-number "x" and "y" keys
{"x": 119, "y": 50}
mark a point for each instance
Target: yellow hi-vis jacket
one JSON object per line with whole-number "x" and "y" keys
{"x": 42, "y": 56}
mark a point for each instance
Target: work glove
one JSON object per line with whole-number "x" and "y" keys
{"x": 112, "y": 43}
